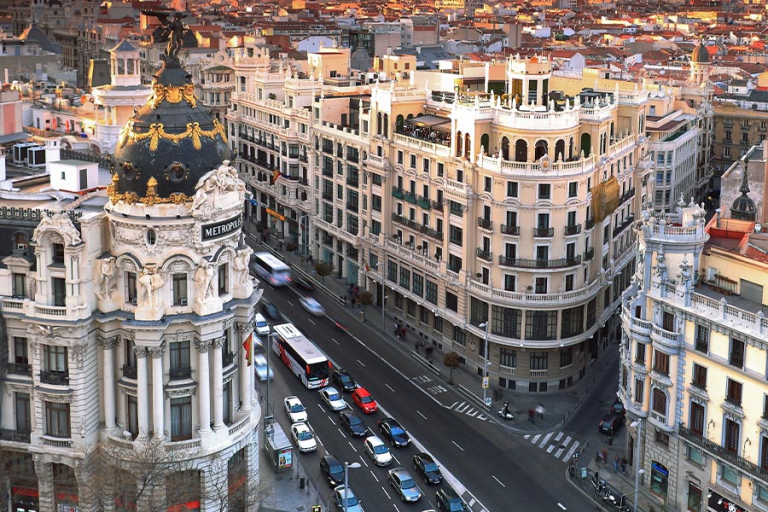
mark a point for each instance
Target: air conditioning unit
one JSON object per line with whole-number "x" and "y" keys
{"x": 184, "y": 302}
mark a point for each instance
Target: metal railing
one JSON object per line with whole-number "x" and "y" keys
{"x": 483, "y": 254}
{"x": 510, "y": 230}
{"x": 589, "y": 254}
{"x": 484, "y": 223}
{"x": 15, "y": 436}
{"x": 55, "y": 378}
{"x": 720, "y": 451}
{"x": 573, "y": 230}
{"x": 129, "y": 372}
{"x": 529, "y": 263}
{"x": 180, "y": 373}
{"x": 543, "y": 232}
{"x": 20, "y": 369}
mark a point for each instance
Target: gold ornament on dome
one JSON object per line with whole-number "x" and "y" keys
{"x": 173, "y": 94}
{"x": 157, "y": 132}
{"x": 150, "y": 199}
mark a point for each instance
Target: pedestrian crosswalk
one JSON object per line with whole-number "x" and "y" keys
{"x": 558, "y": 444}
{"x": 469, "y": 410}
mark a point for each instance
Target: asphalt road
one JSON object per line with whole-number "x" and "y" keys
{"x": 491, "y": 468}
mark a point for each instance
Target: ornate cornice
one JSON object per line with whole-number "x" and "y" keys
{"x": 245, "y": 326}
{"x": 55, "y": 397}
{"x": 181, "y": 392}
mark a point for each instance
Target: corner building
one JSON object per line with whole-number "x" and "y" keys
{"x": 126, "y": 319}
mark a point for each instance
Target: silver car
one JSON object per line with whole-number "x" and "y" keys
{"x": 402, "y": 481}
{"x": 342, "y": 493}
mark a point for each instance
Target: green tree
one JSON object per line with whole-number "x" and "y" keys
{"x": 323, "y": 268}
{"x": 365, "y": 298}
{"x": 451, "y": 361}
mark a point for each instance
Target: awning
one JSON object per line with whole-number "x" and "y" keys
{"x": 428, "y": 121}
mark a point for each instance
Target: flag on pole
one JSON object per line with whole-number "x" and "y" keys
{"x": 248, "y": 346}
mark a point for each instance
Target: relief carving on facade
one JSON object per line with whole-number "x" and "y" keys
{"x": 61, "y": 224}
{"x": 106, "y": 276}
{"x": 156, "y": 352}
{"x": 65, "y": 398}
{"x": 79, "y": 350}
{"x": 214, "y": 184}
{"x": 181, "y": 392}
{"x": 107, "y": 343}
{"x": 151, "y": 283}
{"x": 202, "y": 345}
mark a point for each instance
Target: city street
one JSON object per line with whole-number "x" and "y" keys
{"x": 490, "y": 467}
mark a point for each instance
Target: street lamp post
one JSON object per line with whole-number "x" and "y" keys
{"x": 383, "y": 305}
{"x": 268, "y": 354}
{"x": 485, "y": 325}
{"x": 639, "y": 426}
{"x": 347, "y": 465}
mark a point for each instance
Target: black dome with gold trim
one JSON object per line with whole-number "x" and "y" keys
{"x": 168, "y": 145}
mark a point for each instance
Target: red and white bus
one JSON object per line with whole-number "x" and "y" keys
{"x": 303, "y": 357}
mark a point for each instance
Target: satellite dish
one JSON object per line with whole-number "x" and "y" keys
{"x": 758, "y": 228}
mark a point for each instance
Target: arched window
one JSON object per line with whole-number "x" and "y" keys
{"x": 559, "y": 150}
{"x": 521, "y": 151}
{"x": 378, "y": 123}
{"x": 541, "y": 149}
{"x": 459, "y": 141}
{"x": 505, "y": 148}
{"x": 467, "y": 145}
{"x": 485, "y": 141}
{"x": 386, "y": 125}
{"x": 586, "y": 144}
{"x": 399, "y": 121}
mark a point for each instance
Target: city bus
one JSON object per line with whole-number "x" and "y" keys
{"x": 303, "y": 357}
{"x": 270, "y": 268}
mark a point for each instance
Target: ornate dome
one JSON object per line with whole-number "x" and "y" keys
{"x": 700, "y": 55}
{"x": 743, "y": 207}
{"x": 168, "y": 145}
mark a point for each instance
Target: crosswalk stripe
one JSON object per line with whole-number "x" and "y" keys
{"x": 462, "y": 407}
{"x": 551, "y": 447}
{"x": 527, "y": 436}
{"x": 471, "y": 413}
{"x": 559, "y": 436}
{"x": 471, "y": 502}
{"x": 536, "y": 438}
{"x": 559, "y": 452}
{"x": 567, "y": 440}
{"x": 546, "y": 440}
{"x": 481, "y": 417}
{"x": 568, "y": 455}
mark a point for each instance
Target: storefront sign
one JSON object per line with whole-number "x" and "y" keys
{"x": 222, "y": 228}
{"x": 719, "y": 503}
{"x": 275, "y": 214}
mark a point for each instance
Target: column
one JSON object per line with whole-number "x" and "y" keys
{"x": 218, "y": 384}
{"x": 141, "y": 388}
{"x": 107, "y": 345}
{"x": 158, "y": 400}
{"x": 245, "y": 329}
{"x": 204, "y": 384}
{"x": 44, "y": 471}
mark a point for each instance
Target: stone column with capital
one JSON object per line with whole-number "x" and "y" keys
{"x": 107, "y": 345}
{"x": 158, "y": 400}
{"x": 218, "y": 384}
{"x": 244, "y": 330}
{"x": 141, "y": 389}
{"x": 204, "y": 383}
{"x": 44, "y": 472}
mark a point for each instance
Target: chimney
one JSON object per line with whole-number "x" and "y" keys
{"x": 717, "y": 213}
{"x": 389, "y": 50}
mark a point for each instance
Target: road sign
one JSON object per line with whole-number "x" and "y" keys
{"x": 486, "y": 382}
{"x": 488, "y": 402}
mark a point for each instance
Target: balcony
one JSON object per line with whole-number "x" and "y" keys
{"x": 180, "y": 373}
{"x": 20, "y": 369}
{"x": 437, "y": 205}
{"x": 484, "y": 223}
{"x": 528, "y": 263}
{"x": 14, "y": 436}
{"x": 627, "y": 222}
{"x": 397, "y": 192}
{"x": 483, "y": 254}
{"x": 543, "y": 232}
{"x": 55, "y": 378}
{"x": 589, "y": 224}
{"x": 510, "y": 230}
{"x": 721, "y": 452}
{"x": 129, "y": 372}
{"x": 410, "y": 197}
{"x": 589, "y": 254}
{"x": 627, "y": 195}
{"x": 423, "y": 202}
{"x": 573, "y": 230}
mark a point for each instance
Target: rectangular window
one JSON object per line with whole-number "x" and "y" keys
{"x": 573, "y": 322}
{"x": 57, "y": 420}
{"x": 699, "y": 376}
{"x": 668, "y": 321}
{"x": 454, "y": 263}
{"x": 181, "y": 419}
{"x": 540, "y": 285}
{"x": 179, "y": 359}
{"x": 180, "y": 289}
{"x": 640, "y": 353}
{"x": 20, "y": 354}
{"x": 702, "y": 338}
{"x": 405, "y": 278}
{"x": 569, "y": 282}
{"x": 418, "y": 284}
{"x": 512, "y": 189}
{"x": 566, "y": 357}
{"x": 55, "y": 359}
{"x": 660, "y": 362}
{"x": 59, "y": 292}
{"x": 19, "y": 286}
{"x": 431, "y": 292}
{"x": 509, "y": 282}
{"x": 733, "y": 392}
{"x": 507, "y": 357}
{"x": 456, "y": 235}
{"x": 540, "y": 325}
{"x": 539, "y": 360}
{"x": 729, "y": 475}
{"x": 223, "y": 279}
{"x": 57, "y": 254}
{"x": 732, "y": 436}
{"x": 659, "y": 402}
{"x": 639, "y": 390}
{"x": 487, "y": 183}
{"x": 459, "y": 336}
{"x": 764, "y": 453}
{"x": 695, "y": 455}
{"x": 694, "y": 498}
{"x": 545, "y": 191}
{"x": 736, "y": 357}
{"x": 697, "y": 418}
{"x": 573, "y": 189}
{"x": 451, "y": 301}
{"x": 392, "y": 271}
{"x": 506, "y": 321}
{"x": 23, "y": 418}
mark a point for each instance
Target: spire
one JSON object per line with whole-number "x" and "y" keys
{"x": 744, "y": 179}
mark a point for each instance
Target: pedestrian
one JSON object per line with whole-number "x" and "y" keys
{"x": 624, "y": 465}
{"x": 354, "y": 300}
{"x": 402, "y": 332}
{"x": 428, "y": 351}
{"x": 540, "y": 411}
{"x": 280, "y": 245}
{"x": 311, "y": 261}
{"x": 604, "y": 453}
{"x": 397, "y": 330}
{"x": 616, "y": 463}
{"x": 344, "y": 299}
{"x": 531, "y": 416}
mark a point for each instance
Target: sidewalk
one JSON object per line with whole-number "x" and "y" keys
{"x": 559, "y": 406}
{"x": 282, "y": 492}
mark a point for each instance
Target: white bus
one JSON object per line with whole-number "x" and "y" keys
{"x": 303, "y": 357}
{"x": 270, "y": 268}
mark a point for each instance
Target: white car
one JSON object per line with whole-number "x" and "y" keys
{"x": 377, "y": 451}
{"x": 303, "y": 437}
{"x": 312, "y": 306}
{"x": 295, "y": 409}
{"x": 262, "y": 327}
{"x": 333, "y": 399}
{"x": 260, "y": 367}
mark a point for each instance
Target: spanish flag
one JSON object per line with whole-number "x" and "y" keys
{"x": 248, "y": 346}
{"x": 275, "y": 175}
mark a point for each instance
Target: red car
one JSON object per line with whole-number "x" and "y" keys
{"x": 364, "y": 401}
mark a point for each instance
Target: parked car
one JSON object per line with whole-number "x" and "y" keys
{"x": 392, "y": 430}
{"x": 426, "y": 465}
{"x": 332, "y": 470}
{"x": 364, "y": 401}
{"x": 611, "y": 423}
{"x": 332, "y": 399}
{"x": 402, "y": 481}
{"x": 377, "y": 451}
{"x": 343, "y": 380}
{"x": 618, "y": 407}
{"x": 295, "y": 409}
{"x": 305, "y": 284}
{"x": 262, "y": 327}
{"x": 353, "y": 424}
{"x": 342, "y": 494}
{"x": 312, "y": 306}
{"x": 260, "y": 367}
{"x": 270, "y": 310}
{"x": 448, "y": 500}
{"x": 303, "y": 437}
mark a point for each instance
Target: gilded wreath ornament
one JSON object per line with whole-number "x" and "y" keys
{"x": 157, "y": 132}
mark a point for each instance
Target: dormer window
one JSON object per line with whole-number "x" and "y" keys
{"x": 57, "y": 254}
{"x": 21, "y": 242}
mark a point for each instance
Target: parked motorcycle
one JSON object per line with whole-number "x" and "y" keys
{"x": 505, "y": 412}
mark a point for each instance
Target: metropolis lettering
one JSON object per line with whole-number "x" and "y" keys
{"x": 222, "y": 228}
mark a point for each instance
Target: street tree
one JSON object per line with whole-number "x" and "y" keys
{"x": 365, "y": 298}
{"x": 324, "y": 268}
{"x": 452, "y": 360}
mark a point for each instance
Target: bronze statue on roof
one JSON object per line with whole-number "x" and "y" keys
{"x": 173, "y": 31}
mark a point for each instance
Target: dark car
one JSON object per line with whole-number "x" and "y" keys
{"x": 424, "y": 464}
{"x": 353, "y": 424}
{"x": 392, "y": 430}
{"x": 270, "y": 310}
{"x": 304, "y": 283}
{"x": 448, "y": 500}
{"x": 611, "y": 423}
{"x": 343, "y": 380}
{"x": 618, "y": 407}
{"x": 332, "y": 470}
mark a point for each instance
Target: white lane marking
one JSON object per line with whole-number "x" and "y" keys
{"x": 334, "y": 423}
{"x": 396, "y": 459}
{"x": 462, "y": 407}
{"x": 457, "y": 445}
{"x": 363, "y": 461}
{"x": 535, "y": 438}
{"x": 389, "y": 387}
{"x": 374, "y": 476}
{"x": 559, "y": 436}
{"x": 290, "y": 303}
{"x": 546, "y": 440}
{"x": 567, "y": 440}
{"x": 321, "y": 407}
{"x": 471, "y": 502}
{"x": 568, "y": 455}
{"x": 395, "y": 505}
{"x": 353, "y": 446}
{"x": 334, "y": 340}
{"x": 319, "y": 441}
{"x": 559, "y": 452}
{"x": 361, "y": 363}
{"x": 342, "y": 434}
{"x": 419, "y": 413}
{"x": 482, "y": 417}
{"x": 498, "y": 481}
{"x": 527, "y": 436}
{"x": 451, "y": 407}
{"x": 550, "y": 448}
{"x": 561, "y": 506}
{"x": 385, "y": 492}
{"x": 311, "y": 321}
